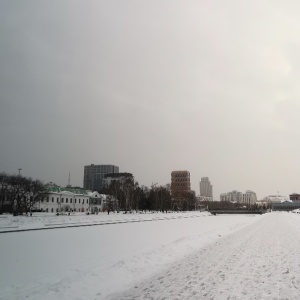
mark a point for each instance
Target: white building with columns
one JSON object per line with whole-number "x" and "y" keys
{"x": 68, "y": 199}
{"x": 101, "y": 202}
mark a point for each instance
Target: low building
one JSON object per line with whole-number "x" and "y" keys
{"x": 274, "y": 199}
{"x": 121, "y": 177}
{"x": 63, "y": 199}
{"x": 101, "y": 202}
{"x": 203, "y": 198}
{"x": 295, "y": 197}
{"x": 287, "y": 205}
{"x": 96, "y": 202}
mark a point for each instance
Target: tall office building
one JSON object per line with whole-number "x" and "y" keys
{"x": 249, "y": 198}
{"x": 235, "y": 196}
{"x": 180, "y": 188}
{"x": 206, "y": 189}
{"x": 94, "y": 175}
{"x": 180, "y": 182}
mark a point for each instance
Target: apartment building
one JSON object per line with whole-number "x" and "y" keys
{"x": 94, "y": 175}
{"x": 206, "y": 189}
{"x": 180, "y": 185}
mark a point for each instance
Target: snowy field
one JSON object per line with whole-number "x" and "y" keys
{"x": 51, "y": 220}
{"x": 150, "y": 256}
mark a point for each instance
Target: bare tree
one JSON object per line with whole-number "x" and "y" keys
{"x": 19, "y": 193}
{"x": 4, "y": 185}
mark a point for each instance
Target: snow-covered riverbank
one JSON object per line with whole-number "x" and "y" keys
{"x": 176, "y": 256}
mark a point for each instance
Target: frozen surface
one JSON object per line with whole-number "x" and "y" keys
{"x": 169, "y": 256}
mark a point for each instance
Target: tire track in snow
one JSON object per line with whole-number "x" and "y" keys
{"x": 260, "y": 261}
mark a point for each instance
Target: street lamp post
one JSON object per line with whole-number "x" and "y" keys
{"x": 16, "y": 201}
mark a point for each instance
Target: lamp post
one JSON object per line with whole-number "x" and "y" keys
{"x": 17, "y": 200}
{"x": 31, "y": 195}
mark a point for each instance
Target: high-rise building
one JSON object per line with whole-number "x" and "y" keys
{"x": 180, "y": 188}
{"x": 233, "y": 196}
{"x": 180, "y": 182}
{"x": 206, "y": 189}
{"x": 249, "y": 198}
{"x": 94, "y": 174}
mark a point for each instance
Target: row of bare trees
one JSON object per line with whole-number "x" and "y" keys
{"x": 132, "y": 196}
{"x": 18, "y": 194}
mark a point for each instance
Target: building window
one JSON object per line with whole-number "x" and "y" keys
{"x": 67, "y": 201}
{"x": 52, "y": 199}
{"x": 62, "y": 200}
{"x": 82, "y": 201}
{"x": 47, "y": 199}
{"x": 75, "y": 201}
{"x": 87, "y": 201}
{"x": 57, "y": 200}
{"x": 78, "y": 200}
{"x": 52, "y": 208}
{"x": 70, "y": 200}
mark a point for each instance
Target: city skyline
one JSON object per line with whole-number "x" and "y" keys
{"x": 209, "y": 87}
{"x": 216, "y": 198}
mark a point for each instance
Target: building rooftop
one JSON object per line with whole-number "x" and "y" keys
{"x": 74, "y": 190}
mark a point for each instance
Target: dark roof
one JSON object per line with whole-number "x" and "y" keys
{"x": 117, "y": 175}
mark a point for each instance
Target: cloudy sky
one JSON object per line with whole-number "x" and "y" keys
{"x": 152, "y": 86}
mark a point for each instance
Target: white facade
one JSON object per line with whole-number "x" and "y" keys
{"x": 249, "y": 198}
{"x": 223, "y": 197}
{"x": 234, "y": 196}
{"x": 275, "y": 198}
{"x": 59, "y": 199}
{"x": 206, "y": 189}
{"x": 101, "y": 202}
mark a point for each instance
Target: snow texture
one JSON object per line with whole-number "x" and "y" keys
{"x": 152, "y": 256}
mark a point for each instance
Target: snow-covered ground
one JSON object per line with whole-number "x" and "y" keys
{"x": 151, "y": 256}
{"x": 51, "y": 220}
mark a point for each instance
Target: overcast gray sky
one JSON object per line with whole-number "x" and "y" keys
{"x": 152, "y": 86}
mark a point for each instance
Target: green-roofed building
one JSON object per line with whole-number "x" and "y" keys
{"x": 64, "y": 199}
